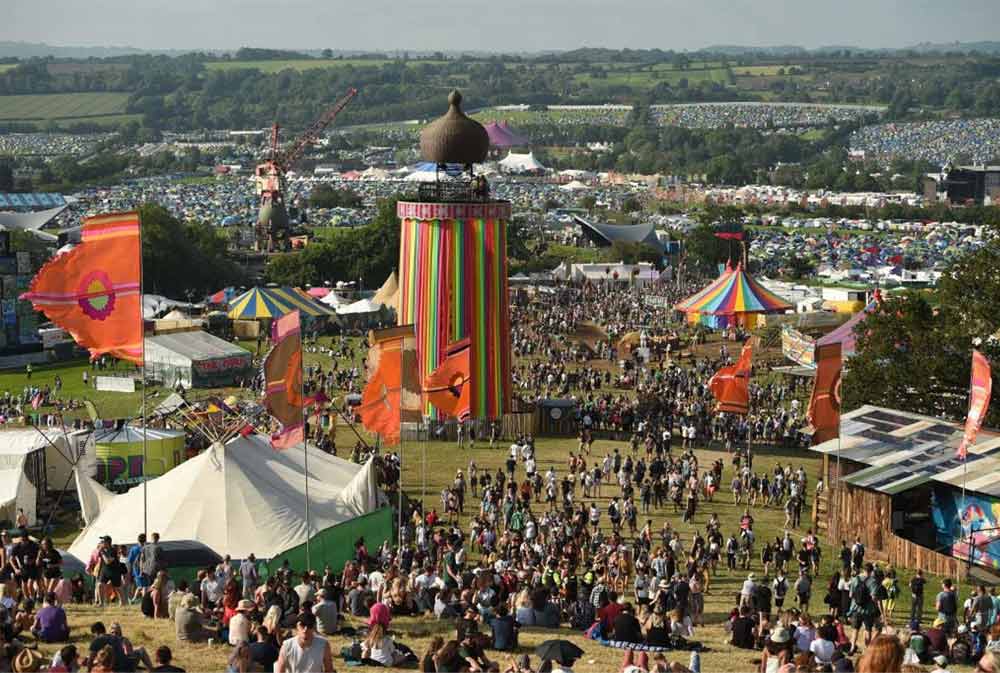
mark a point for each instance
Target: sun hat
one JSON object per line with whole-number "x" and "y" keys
{"x": 779, "y": 635}
{"x": 28, "y": 661}
{"x": 245, "y": 606}
{"x": 189, "y": 601}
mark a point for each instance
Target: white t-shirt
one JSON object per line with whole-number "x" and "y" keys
{"x": 239, "y": 629}
{"x": 309, "y": 660}
{"x": 822, "y": 650}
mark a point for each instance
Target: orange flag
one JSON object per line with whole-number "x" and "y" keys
{"x": 283, "y": 381}
{"x": 980, "y": 390}
{"x": 93, "y": 291}
{"x": 824, "y": 406}
{"x": 731, "y": 385}
{"x": 448, "y": 387}
{"x": 380, "y": 400}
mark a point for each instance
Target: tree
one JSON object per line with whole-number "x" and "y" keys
{"x": 588, "y": 202}
{"x": 631, "y": 205}
{"x": 327, "y": 53}
{"x": 179, "y": 257}
{"x": 6, "y": 176}
{"x": 325, "y": 196}
{"x": 913, "y": 357}
{"x": 704, "y": 251}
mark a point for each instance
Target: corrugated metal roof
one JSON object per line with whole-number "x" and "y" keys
{"x": 904, "y": 450}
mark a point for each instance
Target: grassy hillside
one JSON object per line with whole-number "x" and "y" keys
{"x": 58, "y": 106}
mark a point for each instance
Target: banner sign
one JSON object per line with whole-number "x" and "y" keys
{"x": 116, "y": 384}
{"x": 797, "y": 347}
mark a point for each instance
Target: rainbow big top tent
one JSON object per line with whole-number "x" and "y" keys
{"x": 734, "y": 298}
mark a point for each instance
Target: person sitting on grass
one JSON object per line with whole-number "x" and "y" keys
{"x": 190, "y": 622}
{"x": 65, "y": 660}
{"x": 50, "y": 625}
{"x": 134, "y": 655}
{"x": 163, "y": 658}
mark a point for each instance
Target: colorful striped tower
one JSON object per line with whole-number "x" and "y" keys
{"x": 452, "y": 286}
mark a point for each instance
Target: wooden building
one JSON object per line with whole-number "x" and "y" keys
{"x": 893, "y": 480}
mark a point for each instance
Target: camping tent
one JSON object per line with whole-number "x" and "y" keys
{"x": 573, "y": 186}
{"x": 734, "y": 298}
{"x": 239, "y": 499}
{"x": 388, "y": 294}
{"x": 274, "y": 302}
{"x": 521, "y": 163}
{"x": 22, "y": 473}
{"x": 195, "y": 360}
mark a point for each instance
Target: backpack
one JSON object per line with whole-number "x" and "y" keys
{"x": 860, "y": 593}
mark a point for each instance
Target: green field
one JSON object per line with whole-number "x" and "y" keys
{"x": 81, "y": 106}
{"x": 757, "y": 70}
{"x": 306, "y": 64}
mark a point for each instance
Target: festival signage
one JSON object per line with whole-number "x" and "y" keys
{"x": 797, "y": 347}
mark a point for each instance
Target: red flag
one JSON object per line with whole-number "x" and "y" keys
{"x": 824, "y": 406}
{"x": 730, "y": 235}
{"x": 93, "y": 291}
{"x": 731, "y": 385}
{"x": 448, "y": 387}
{"x": 36, "y": 401}
{"x": 283, "y": 381}
{"x": 980, "y": 389}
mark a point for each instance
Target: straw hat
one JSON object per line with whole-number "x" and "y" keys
{"x": 245, "y": 606}
{"x": 189, "y": 601}
{"x": 28, "y": 661}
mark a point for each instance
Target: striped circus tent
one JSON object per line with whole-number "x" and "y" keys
{"x": 274, "y": 302}
{"x": 734, "y": 298}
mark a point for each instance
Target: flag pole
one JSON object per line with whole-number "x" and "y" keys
{"x": 305, "y": 446}
{"x": 142, "y": 336}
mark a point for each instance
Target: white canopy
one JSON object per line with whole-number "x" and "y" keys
{"x": 239, "y": 499}
{"x": 421, "y": 176}
{"x": 16, "y": 489}
{"x": 360, "y": 306}
{"x": 573, "y": 186}
{"x": 332, "y": 299}
{"x": 521, "y": 163}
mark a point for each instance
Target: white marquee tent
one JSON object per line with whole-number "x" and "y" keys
{"x": 239, "y": 499}
{"x": 521, "y": 163}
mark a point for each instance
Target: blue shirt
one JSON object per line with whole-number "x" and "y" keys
{"x": 133, "y": 560}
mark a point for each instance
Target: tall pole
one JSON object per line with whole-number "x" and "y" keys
{"x": 305, "y": 448}
{"x": 142, "y": 321}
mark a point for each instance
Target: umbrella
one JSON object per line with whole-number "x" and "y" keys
{"x": 561, "y": 651}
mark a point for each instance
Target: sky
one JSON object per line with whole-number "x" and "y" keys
{"x": 496, "y": 25}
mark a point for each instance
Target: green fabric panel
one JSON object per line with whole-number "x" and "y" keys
{"x": 335, "y": 545}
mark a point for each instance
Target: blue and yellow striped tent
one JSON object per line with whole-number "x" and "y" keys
{"x": 274, "y": 302}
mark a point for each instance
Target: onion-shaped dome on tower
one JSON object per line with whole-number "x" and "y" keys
{"x": 454, "y": 138}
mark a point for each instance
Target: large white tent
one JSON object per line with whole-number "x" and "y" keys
{"x": 521, "y": 163}
{"x": 239, "y": 499}
{"x": 22, "y": 472}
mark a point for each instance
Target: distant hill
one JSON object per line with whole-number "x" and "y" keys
{"x": 10, "y": 49}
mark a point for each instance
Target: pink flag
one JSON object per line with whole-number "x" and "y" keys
{"x": 980, "y": 389}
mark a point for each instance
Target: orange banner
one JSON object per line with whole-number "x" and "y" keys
{"x": 448, "y": 387}
{"x": 980, "y": 390}
{"x": 283, "y": 381}
{"x": 731, "y": 385}
{"x": 824, "y": 406}
{"x": 392, "y": 395}
{"x": 94, "y": 290}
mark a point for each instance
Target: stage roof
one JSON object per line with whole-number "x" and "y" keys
{"x": 905, "y": 450}
{"x": 607, "y": 234}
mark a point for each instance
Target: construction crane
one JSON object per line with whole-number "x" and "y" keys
{"x": 272, "y": 219}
